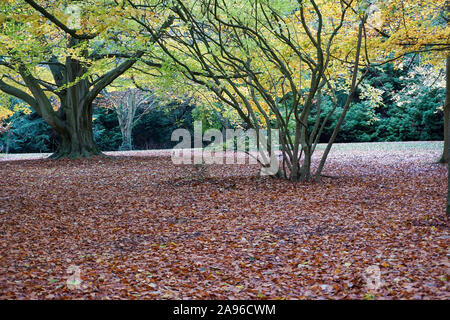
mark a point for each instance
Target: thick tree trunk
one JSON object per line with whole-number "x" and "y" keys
{"x": 446, "y": 153}
{"x": 447, "y": 211}
{"x": 73, "y": 86}
{"x": 127, "y": 143}
{"x": 76, "y": 144}
{"x": 77, "y": 138}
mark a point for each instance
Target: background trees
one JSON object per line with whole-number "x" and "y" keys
{"x": 419, "y": 27}
{"x": 126, "y": 104}
{"x": 404, "y": 105}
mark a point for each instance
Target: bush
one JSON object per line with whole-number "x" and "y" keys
{"x": 28, "y": 134}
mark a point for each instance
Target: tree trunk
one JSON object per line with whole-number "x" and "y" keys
{"x": 306, "y": 167}
{"x": 126, "y": 112}
{"x": 447, "y": 125}
{"x": 447, "y": 211}
{"x": 127, "y": 143}
{"x": 8, "y": 140}
{"x": 77, "y": 137}
{"x": 446, "y": 152}
{"x": 73, "y": 86}
{"x": 348, "y": 102}
{"x": 301, "y": 172}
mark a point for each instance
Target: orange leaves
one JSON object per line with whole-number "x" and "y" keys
{"x": 138, "y": 229}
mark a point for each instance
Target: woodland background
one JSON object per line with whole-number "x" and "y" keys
{"x": 407, "y": 105}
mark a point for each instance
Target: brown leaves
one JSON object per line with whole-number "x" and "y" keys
{"x": 137, "y": 228}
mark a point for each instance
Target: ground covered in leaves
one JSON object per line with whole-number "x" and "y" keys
{"x": 137, "y": 226}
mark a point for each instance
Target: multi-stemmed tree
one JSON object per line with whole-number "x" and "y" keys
{"x": 271, "y": 61}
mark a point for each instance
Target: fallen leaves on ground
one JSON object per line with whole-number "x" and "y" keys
{"x": 139, "y": 227}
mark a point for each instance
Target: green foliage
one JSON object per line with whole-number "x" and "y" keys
{"x": 359, "y": 125}
{"x": 29, "y": 134}
{"x": 106, "y": 129}
{"x": 212, "y": 117}
{"x": 410, "y": 109}
{"x": 420, "y": 119}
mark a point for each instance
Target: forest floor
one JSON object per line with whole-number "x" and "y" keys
{"x": 136, "y": 226}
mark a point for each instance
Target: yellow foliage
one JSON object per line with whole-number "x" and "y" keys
{"x": 5, "y": 113}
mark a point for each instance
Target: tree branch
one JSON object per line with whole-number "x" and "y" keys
{"x": 22, "y": 95}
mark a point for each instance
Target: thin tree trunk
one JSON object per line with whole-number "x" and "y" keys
{"x": 127, "y": 143}
{"x": 306, "y": 167}
{"x": 8, "y": 140}
{"x": 126, "y": 112}
{"x": 446, "y": 152}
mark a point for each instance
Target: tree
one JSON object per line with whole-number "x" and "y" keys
{"x": 9, "y": 108}
{"x": 445, "y": 153}
{"x": 126, "y": 103}
{"x": 59, "y": 68}
{"x": 273, "y": 61}
{"x": 258, "y": 56}
{"x": 418, "y": 27}
{"x": 4, "y": 114}
{"x": 447, "y": 127}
